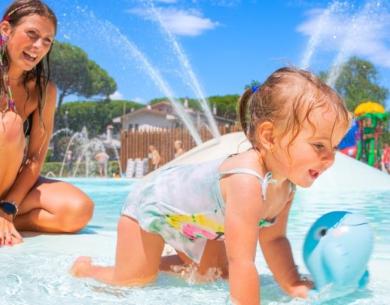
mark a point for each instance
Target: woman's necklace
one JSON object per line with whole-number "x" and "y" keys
{"x": 10, "y": 103}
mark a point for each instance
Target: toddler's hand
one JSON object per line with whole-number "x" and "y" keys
{"x": 81, "y": 266}
{"x": 300, "y": 289}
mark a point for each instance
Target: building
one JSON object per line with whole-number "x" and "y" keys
{"x": 163, "y": 116}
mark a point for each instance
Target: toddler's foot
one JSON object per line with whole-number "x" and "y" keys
{"x": 81, "y": 266}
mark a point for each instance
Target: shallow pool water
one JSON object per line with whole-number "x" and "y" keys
{"x": 36, "y": 272}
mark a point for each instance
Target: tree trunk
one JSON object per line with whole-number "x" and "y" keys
{"x": 57, "y": 113}
{"x": 61, "y": 99}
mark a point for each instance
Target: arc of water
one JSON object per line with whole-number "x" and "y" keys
{"x": 316, "y": 38}
{"x": 84, "y": 153}
{"x": 124, "y": 43}
{"x": 349, "y": 43}
{"x": 72, "y": 138}
{"x": 164, "y": 87}
{"x": 117, "y": 158}
{"x": 186, "y": 68}
{"x": 67, "y": 130}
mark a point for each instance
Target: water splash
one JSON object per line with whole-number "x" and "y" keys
{"x": 62, "y": 130}
{"x": 191, "y": 275}
{"x": 86, "y": 149}
{"x": 185, "y": 67}
{"x": 71, "y": 140}
{"x": 316, "y": 38}
{"x": 358, "y": 23}
{"x": 111, "y": 36}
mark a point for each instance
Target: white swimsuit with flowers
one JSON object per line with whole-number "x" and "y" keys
{"x": 184, "y": 205}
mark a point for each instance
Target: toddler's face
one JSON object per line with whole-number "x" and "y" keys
{"x": 313, "y": 150}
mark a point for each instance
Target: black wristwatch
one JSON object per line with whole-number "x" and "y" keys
{"x": 9, "y": 208}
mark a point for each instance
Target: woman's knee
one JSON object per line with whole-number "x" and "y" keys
{"x": 76, "y": 214}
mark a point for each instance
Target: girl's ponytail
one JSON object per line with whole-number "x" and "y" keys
{"x": 243, "y": 105}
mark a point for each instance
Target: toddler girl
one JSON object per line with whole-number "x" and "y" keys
{"x": 214, "y": 213}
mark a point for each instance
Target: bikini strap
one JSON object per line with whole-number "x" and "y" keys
{"x": 263, "y": 181}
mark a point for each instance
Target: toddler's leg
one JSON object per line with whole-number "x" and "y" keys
{"x": 214, "y": 256}
{"x": 137, "y": 260}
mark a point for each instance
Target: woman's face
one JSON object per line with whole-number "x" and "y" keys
{"x": 29, "y": 41}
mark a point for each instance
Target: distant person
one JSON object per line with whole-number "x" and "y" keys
{"x": 386, "y": 158}
{"x": 178, "y": 148}
{"x": 69, "y": 162}
{"x": 215, "y": 213}
{"x": 154, "y": 157}
{"x": 102, "y": 161}
{"x": 28, "y": 201}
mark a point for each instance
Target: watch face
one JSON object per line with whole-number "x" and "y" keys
{"x": 8, "y": 208}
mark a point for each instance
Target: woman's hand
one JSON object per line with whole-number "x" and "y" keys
{"x": 8, "y": 234}
{"x": 300, "y": 289}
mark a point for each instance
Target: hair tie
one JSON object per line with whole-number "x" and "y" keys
{"x": 254, "y": 88}
{"x": 8, "y": 17}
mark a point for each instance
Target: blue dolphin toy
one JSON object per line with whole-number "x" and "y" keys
{"x": 337, "y": 249}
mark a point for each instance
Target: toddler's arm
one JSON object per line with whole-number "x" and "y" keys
{"x": 241, "y": 234}
{"x": 277, "y": 252}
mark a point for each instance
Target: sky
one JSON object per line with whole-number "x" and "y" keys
{"x": 190, "y": 48}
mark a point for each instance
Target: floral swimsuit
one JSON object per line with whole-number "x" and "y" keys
{"x": 184, "y": 204}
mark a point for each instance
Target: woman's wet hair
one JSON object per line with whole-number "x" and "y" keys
{"x": 286, "y": 99}
{"x": 41, "y": 72}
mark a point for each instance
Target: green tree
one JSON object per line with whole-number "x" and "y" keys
{"x": 358, "y": 82}
{"x": 100, "y": 82}
{"x": 94, "y": 115}
{"x": 226, "y": 105}
{"x": 74, "y": 73}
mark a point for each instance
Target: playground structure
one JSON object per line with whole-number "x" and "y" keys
{"x": 364, "y": 140}
{"x": 371, "y": 118}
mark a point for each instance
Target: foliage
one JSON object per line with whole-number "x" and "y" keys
{"x": 51, "y": 168}
{"x": 192, "y": 103}
{"x": 54, "y": 168}
{"x": 59, "y": 147}
{"x": 74, "y": 73}
{"x": 386, "y": 137}
{"x": 226, "y": 104}
{"x": 386, "y": 134}
{"x": 94, "y": 115}
{"x": 358, "y": 82}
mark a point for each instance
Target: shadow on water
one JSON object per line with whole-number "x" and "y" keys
{"x": 89, "y": 229}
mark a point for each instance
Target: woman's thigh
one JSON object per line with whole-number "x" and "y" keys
{"x": 69, "y": 207}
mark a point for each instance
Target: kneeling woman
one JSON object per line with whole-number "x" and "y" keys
{"x": 27, "y": 106}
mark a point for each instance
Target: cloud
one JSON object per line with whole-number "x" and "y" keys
{"x": 139, "y": 100}
{"x": 223, "y": 3}
{"x": 179, "y": 21}
{"x": 165, "y": 1}
{"x": 363, "y": 33}
{"x": 116, "y": 96}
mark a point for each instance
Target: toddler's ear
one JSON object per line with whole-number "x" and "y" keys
{"x": 265, "y": 135}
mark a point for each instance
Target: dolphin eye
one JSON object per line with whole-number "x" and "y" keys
{"x": 321, "y": 232}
